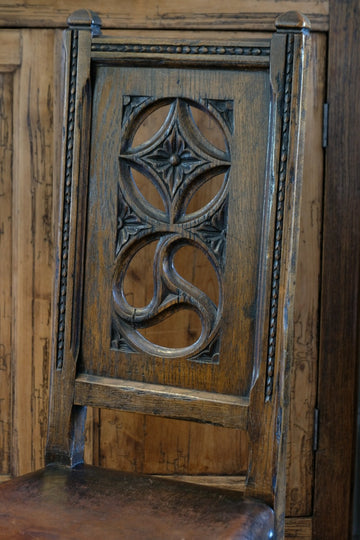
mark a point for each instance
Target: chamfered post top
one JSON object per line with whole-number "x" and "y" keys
{"x": 85, "y": 19}
{"x": 292, "y": 21}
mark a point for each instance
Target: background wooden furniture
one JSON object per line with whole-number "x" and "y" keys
{"x": 29, "y": 37}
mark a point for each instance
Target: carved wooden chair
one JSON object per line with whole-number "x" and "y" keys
{"x": 225, "y": 121}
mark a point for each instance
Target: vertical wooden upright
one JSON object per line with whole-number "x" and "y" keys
{"x": 339, "y": 331}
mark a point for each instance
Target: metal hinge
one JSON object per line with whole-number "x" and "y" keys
{"x": 316, "y": 430}
{"x": 325, "y": 125}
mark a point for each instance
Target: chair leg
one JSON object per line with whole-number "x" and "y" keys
{"x": 69, "y": 452}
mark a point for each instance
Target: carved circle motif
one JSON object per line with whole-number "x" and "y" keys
{"x": 178, "y": 160}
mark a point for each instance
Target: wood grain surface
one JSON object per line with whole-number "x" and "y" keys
{"x": 33, "y": 247}
{"x": 179, "y": 441}
{"x": 6, "y": 270}
{"x": 339, "y": 330}
{"x": 205, "y": 14}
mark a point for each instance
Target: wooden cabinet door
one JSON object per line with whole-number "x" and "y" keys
{"x": 26, "y": 244}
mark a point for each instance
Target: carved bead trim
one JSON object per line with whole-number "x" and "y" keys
{"x": 180, "y": 49}
{"x": 67, "y": 204}
{"x": 275, "y": 277}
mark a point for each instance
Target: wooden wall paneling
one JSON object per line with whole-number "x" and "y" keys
{"x": 152, "y": 445}
{"x": 201, "y": 449}
{"x": 234, "y": 14}
{"x": 6, "y": 142}
{"x": 339, "y": 330}
{"x": 32, "y": 247}
{"x": 300, "y": 455}
{"x": 9, "y": 42}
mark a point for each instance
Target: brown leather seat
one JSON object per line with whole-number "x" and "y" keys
{"x": 90, "y": 503}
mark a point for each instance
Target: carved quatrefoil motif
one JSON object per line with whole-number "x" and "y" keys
{"x": 177, "y": 160}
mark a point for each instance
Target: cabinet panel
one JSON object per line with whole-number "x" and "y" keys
{"x": 6, "y": 146}
{"x": 9, "y": 62}
{"x": 32, "y": 247}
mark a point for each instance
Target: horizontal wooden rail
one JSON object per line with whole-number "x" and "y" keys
{"x": 168, "y": 401}
{"x": 187, "y": 14}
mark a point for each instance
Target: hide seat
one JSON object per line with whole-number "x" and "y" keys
{"x": 88, "y": 502}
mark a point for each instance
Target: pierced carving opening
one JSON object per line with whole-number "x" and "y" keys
{"x": 209, "y": 127}
{"x": 194, "y": 266}
{"x": 206, "y": 193}
{"x": 180, "y": 330}
{"x": 147, "y": 190}
{"x": 138, "y": 280}
{"x": 150, "y": 125}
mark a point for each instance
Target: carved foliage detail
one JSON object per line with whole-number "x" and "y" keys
{"x": 177, "y": 160}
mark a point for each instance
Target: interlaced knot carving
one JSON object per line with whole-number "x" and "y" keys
{"x": 178, "y": 160}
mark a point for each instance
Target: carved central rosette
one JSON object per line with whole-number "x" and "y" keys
{"x": 178, "y": 159}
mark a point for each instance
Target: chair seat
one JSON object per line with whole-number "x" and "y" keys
{"x": 89, "y": 502}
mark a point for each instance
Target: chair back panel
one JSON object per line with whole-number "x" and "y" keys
{"x": 123, "y": 224}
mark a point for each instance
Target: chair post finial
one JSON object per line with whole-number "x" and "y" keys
{"x": 292, "y": 21}
{"x": 85, "y": 19}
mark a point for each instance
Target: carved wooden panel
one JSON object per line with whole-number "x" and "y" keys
{"x": 180, "y": 198}
{"x": 178, "y": 160}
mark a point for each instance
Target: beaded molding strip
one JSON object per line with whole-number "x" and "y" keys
{"x": 275, "y": 276}
{"x": 67, "y": 203}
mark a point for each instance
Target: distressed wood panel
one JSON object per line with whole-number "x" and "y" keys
{"x": 10, "y": 50}
{"x": 300, "y": 470}
{"x": 298, "y": 528}
{"x": 32, "y": 247}
{"x": 153, "y": 445}
{"x": 234, "y": 14}
{"x": 10, "y": 58}
{"x": 339, "y": 327}
{"x": 6, "y": 148}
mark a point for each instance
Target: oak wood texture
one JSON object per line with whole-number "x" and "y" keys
{"x": 135, "y": 430}
{"x": 113, "y": 393}
{"x": 339, "y": 331}
{"x": 203, "y": 14}
{"x": 6, "y": 141}
{"x": 8, "y": 65}
{"x": 32, "y": 243}
{"x": 186, "y": 450}
{"x": 300, "y": 461}
{"x": 143, "y": 434}
{"x": 152, "y": 444}
{"x": 270, "y": 243}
